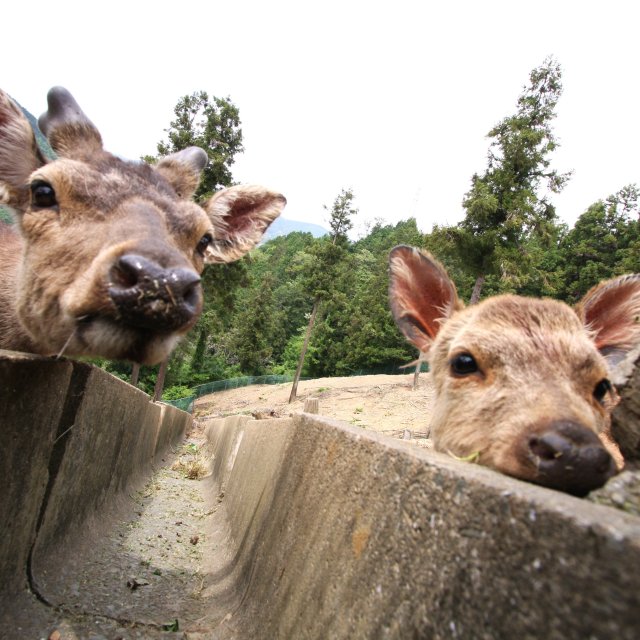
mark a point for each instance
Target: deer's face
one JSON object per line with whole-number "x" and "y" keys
{"x": 113, "y": 250}
{"x": 111, "y": 266}
{"x": 521, "y": 384}
{"x": 521, "y": 387}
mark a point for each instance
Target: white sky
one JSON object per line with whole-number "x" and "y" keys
{"x": 392, "y": 99}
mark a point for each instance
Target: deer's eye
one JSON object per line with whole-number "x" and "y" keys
{"x": 205, "y": 241}
{"x": 43, "y": 195}
{"x": 463, "y": 364}
{"x": 601, "y": 389}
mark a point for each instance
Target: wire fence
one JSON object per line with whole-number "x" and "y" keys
{"x": 187, "y": 403}
{"x": 243, "y": 381}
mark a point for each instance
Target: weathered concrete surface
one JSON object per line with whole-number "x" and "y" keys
{"x": 307, "y": 528}
{"x": 621, "y": 492}
{"x": 626, "y": 416}
{"x": 35, "y": 389}
{"x": 341, "y": 533}
{"x": 74, "y": 441}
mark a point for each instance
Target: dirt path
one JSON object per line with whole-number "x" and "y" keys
{"x": 152, "y": 574}
{"x": 385, "y": 403}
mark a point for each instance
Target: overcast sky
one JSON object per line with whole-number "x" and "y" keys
{"x": 392, "y": 99}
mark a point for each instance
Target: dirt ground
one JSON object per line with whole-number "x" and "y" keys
{"x": 385, "y": 403}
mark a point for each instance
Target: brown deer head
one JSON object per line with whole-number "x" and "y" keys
{"x": 108, "y": 253}
{"x": 521, "y": 383}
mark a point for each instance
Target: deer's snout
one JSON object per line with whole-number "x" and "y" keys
{"x": 150, "y": 296}
{"x": 570, "y": 457}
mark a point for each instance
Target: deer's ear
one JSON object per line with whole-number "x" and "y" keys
{"x": 19, "y": 153}
{"x": 240, "y": 216}
{"x": 611, "y": 310}
{"x": 421, "y": 295}
{"x": 182, "y": 170}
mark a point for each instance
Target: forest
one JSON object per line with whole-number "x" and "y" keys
{"x": 333, "y": 290}
{"x": 329, "y": 294}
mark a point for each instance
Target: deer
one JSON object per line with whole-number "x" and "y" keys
{"x": 106, "y": 255}
{"x": 521, "y": 384}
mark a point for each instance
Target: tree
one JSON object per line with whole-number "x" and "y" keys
{"x": 341, "y": 214}
{"x": 257, "y": 329}
{"x": 325, "y": 259}
{"x": 362, "y": 333}
{"x": 504, "y": 206}
{"x": 212, "y": 124}
{"x": 604, "y": 242}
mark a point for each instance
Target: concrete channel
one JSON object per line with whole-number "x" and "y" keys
{"x": 302, "y": 528}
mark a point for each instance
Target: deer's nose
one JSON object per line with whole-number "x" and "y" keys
{"x": 150, "y": 296}
{"x": 570, "y": 457}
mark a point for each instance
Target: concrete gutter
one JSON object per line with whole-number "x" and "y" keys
{"x": 341, "y": 533}
{"x": 306, "y": 528}
{"x": 74, "y": 441}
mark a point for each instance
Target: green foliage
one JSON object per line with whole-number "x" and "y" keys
{"x": 326, "y": 263}
{"x": 176, "y": 392}
{"x": 257, "y": 310}
{"x": 290, "y": 355}
{"x": 604, "y": 242}
{"x": 257, "y": 331}
{"x": 212, "y": 124}
{"x": 342, "y": 213}
{"x": 257, "y": 326}
{"x": 357, "y": 331}
{"x": 505, "y": 207}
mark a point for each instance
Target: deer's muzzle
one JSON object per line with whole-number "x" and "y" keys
{"x": 570, "y": 457}
{"x": 149, "y": 296}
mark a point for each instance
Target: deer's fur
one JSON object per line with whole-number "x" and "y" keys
{"x": 538, "y": 374}
{"x": 110, "y": 265}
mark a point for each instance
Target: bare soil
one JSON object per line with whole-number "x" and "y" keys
{"x": 384, "y": 403}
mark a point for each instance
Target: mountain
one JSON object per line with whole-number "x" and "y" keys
{"x": 283, "y": 226}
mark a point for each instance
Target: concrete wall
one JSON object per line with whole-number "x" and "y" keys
{"x": 325, "y": 530}
{"x": 72, "y": 439}
{"x": 340, "y": 533}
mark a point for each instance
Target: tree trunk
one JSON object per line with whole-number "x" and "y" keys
{"x": 416, "y": 373}
{"x": 198, "y": 355}
{"x": 135, "y": 374}
{"x": 159, "y": 388}
{"x": 477, "y": 288}
{"x": 303, "y": 353}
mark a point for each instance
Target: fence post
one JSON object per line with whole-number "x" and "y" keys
{"x": 311, "y": 405}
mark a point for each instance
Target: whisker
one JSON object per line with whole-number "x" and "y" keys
{"x": 173, "y": 300}
{"x": 66, "y": 344}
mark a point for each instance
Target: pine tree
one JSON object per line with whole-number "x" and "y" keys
{"x": 604, "y": 242}
{"x": 212, "y": 124}
{"x": 505, "y": 206}
{"x": 326, "y": 256}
